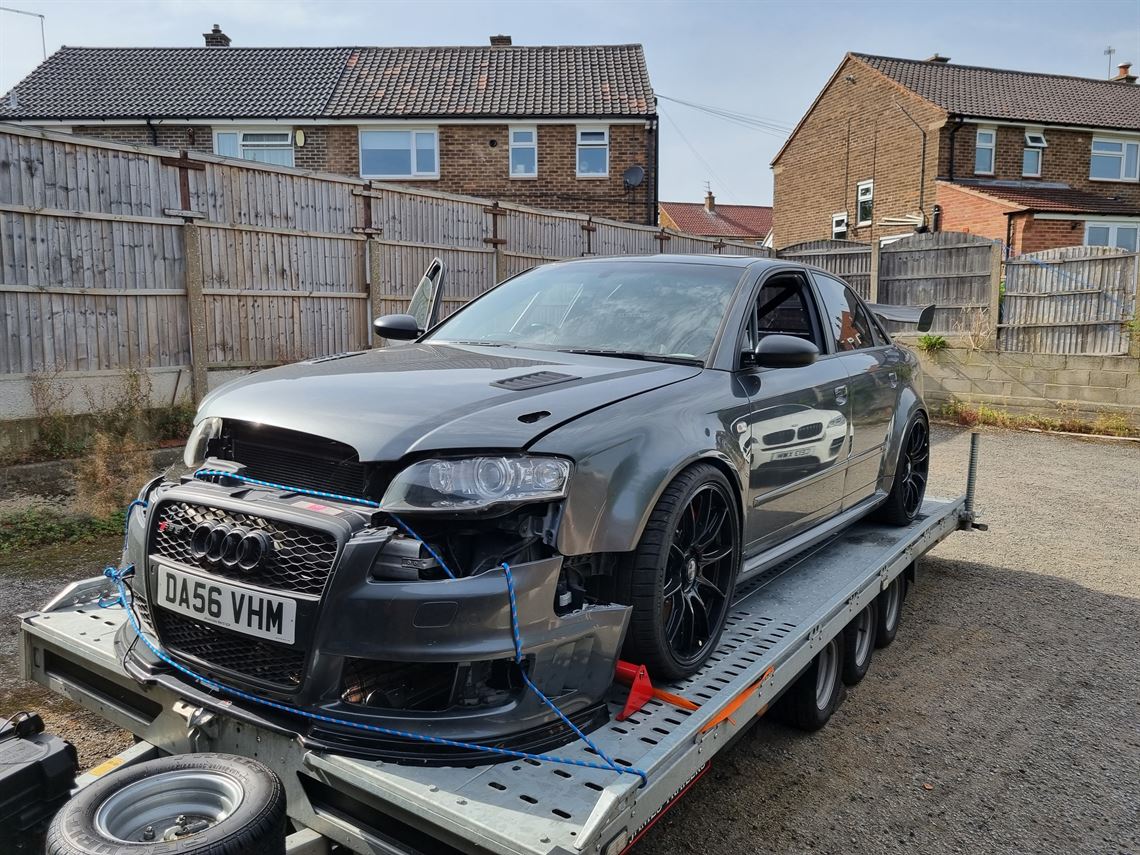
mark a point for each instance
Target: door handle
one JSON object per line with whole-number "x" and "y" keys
{"x": 894, "y": 378}
{"x": 841, "y": 395}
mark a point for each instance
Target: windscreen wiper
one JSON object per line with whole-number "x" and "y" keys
{"x": 636, "y": 354}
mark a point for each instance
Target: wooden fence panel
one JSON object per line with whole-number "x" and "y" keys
{"x": 957, "y": 272}
{"x": 1071, "y": 300}
{"x": 847, "y": 259}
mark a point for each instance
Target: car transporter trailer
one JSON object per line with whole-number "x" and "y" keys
{"x": 780, "y": 625}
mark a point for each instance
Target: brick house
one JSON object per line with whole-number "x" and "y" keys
{"x": 555, "y": 127}
{"x": 750, "y": 223}
{"x": 894, "y": 145}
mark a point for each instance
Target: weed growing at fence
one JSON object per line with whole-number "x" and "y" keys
{"x": 42, "y": 526}
{"x": 172, "y": 423}
{"x": 54, "y": 437}
{"x": 1105, "y": 424}
{"x": 931, "y": 343}
{"x": 976, "y": 329}
{"x": 110, "y": 474}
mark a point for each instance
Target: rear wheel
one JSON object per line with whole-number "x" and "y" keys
{"x": 889, "y": 612}
{"x": 683, "y": 574}
{"x": 905, "y": 499}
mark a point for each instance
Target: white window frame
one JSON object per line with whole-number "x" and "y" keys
{"x": 512, "y": 145}
{"x": 1122, "y": 157}
{"x": 992, "y": 146}
{"x": 1113, "y": 226}
{"x": 411, "y": 130}
{"x": 836, "y": 219}
{"x": 1034, "y": 141}
{"x": 864, "y": 192}
{"x": 1035, "y": 138}
{"x": 605, "y": 129}
{"x": 242, "y": 145}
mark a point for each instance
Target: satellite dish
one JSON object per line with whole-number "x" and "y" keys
{"x": 633, "y": 176}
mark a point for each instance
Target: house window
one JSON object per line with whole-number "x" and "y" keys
{"x": 1122, "y": 235}
{"x": 1031, "y": 155}
{"x": 412, "y": 153}
{"x": 524, "y": 152}
{"x": 839, "y": 226}
{"x": 984, "y": 151}
{"x": 1114, "y": 160}
{"x": 263, "y": 146}
{"x": 593, "y": 152}
{"x": 864, "y": 202}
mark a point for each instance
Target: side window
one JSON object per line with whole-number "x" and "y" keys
{"x": 783, "y": 308}
{"x": 845, "y": 316}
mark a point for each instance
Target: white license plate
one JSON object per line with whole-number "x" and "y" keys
{"x": 795, "y": 452}
{"x": 231, "y": 606}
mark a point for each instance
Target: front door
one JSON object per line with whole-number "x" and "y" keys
{"x": 873, "y": 365}
{"x": 797, "y": 435}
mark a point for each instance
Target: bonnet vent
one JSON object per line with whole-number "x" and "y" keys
{"x": 533, "y": 380}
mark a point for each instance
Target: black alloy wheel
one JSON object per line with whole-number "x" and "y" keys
{"x": 683, "y": 575}
{"x": 911, "y": 473}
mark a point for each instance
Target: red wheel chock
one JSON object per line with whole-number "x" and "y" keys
{"x": 641, "y": 690}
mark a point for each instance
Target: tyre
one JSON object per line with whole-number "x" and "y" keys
{"x": 194, "y": 804}
{"x": 889, "y": 612}
{"x": 681, "y": 576}
{"x": 817, "y": 693}
{"x": 905, "y": 499}
{"x": 859, "y": 644}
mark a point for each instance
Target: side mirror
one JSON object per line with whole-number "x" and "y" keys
{"x": 399, "y": 327}
{"x": 784, "y": 351}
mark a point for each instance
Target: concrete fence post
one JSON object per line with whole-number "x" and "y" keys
{"x": 873, "y": 288}
{"x": 196, "y": 312}
{"x": 994, "y": 310}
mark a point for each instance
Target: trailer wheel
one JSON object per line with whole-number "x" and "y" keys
{"x": 859, "y": 644}
{"x": 194, "y": 804}
{"x": 889, "y": 612}
{"x": 816, "y": 694}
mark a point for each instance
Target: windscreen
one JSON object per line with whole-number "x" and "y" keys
{"x": 651, "y": 308}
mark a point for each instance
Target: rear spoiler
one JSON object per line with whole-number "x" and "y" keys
{"x": 905, "y": 314}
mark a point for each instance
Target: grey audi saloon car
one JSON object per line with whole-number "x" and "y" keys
{"x": 632, "y": 437}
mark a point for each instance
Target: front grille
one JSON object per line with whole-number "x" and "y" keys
{"x": 808, "y": 431}
{"x": 301, "y": 560}
{"x": 261, "y": 660}
{"x": 295, "y": 459}
{"x": 779, "y": 437}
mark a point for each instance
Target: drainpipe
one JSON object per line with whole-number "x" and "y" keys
{"x": 153, "y": 131}
{"x": 922, "y": 167}
{"x": 953, "y": 133}
{"x": 656, "y": 170}
{"x": 1009, "y": 234}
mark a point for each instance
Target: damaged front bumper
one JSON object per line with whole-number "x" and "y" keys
{"x": 430, "y": 657}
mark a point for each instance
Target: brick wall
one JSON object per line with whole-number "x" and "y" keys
{"x": 964, "y": 210}
{"x": 191, "y": 137}
{"x": 1033, "y": 382}
{"x": 468, "y": 162}
{"x": 1033, "y": 235}
{"x": 854, "y": 132}
{"x": 1066, "y": 159}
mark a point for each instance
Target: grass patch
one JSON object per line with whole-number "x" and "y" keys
{"x": 930, "y": 343}
{"x": 971, "y": 415}
{"x": 40, "y": 526}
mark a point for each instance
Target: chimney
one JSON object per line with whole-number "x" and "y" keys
{"x": 500, "y": 41}
{"x": 216, "y": 38}
{"x": 937, "y": 58}
{"x": 1124, "y": 73}
{"x": 710, "y": 202}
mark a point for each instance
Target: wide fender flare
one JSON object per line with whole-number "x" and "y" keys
{"x": 909, "y": 404}
{"x": 626, "y": 455}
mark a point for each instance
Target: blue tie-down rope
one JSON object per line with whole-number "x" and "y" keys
{"x": 118, "y": 576}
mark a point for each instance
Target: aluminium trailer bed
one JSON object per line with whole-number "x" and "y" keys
{"x": 778, "y": 623}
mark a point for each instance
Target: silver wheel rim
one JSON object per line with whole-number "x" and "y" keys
{"x": 826, "y": 673}
{"x": 168, "y": 806}
{"x": 863, "y": 636}
{"x": 894, "y": 599}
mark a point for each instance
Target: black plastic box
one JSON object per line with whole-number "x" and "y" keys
{"x": 37, "y": 772}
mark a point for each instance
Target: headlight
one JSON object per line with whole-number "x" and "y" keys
{"x": 199, "y": 442}
{"x": 476, "y": 483}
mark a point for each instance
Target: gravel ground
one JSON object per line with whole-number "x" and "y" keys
{"x": 1003, "y": 719}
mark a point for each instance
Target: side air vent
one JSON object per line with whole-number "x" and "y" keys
{"x": 533, "y": 380}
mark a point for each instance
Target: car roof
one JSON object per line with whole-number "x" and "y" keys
{"x": 713, "y": 259}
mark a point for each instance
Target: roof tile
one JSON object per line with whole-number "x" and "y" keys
{"x": 1052, "y": 198}
{"x": 729, "y": 221}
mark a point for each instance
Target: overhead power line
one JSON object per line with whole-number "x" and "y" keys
{"x": 748, "y": 120}
{"x": 720, "y": 181}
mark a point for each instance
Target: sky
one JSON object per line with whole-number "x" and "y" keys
{"x": 765, "y": 59}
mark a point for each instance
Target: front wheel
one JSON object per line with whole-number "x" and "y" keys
{"x": 683, "y": 574}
